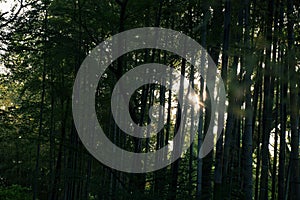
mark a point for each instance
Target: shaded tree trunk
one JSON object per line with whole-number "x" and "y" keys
{"x": 294, "y": 109}
{"x": 247, "y": 136}
{"x": 267, "y": 106}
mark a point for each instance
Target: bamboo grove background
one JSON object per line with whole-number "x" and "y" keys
{"x": 255, "y": 45}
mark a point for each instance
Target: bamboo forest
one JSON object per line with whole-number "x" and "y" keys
{"x": 64, "y": 136}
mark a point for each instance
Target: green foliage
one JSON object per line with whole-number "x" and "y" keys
{"x": 15, "y": 192}
{"x": 57, "y": 44}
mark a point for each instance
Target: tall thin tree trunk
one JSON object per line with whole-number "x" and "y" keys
{"x": 258, "y": 160}
{"x": 219, "y": 146}
{"x": 283, "y": 114}
{"x": 275, "y": 49}
{"x": 294, "y": 109}
{"x": 175, "y": 165}
{"x": 267, "y": 106}
{"x": 37, "y": 164}
{"x": 202, "y": 89}
{"x": 247, "y": 136}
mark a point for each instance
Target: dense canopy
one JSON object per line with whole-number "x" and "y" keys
{"x": 255, "y": 46}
